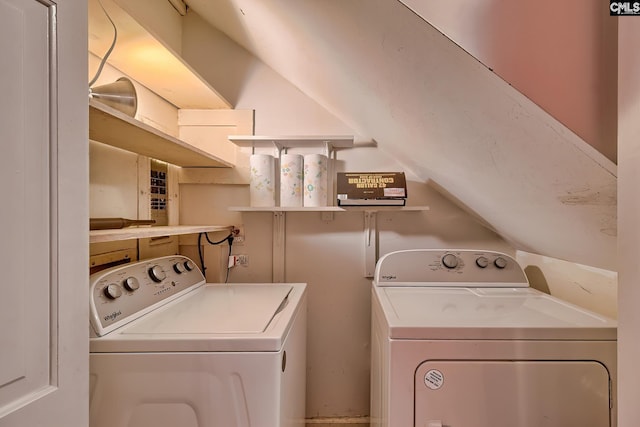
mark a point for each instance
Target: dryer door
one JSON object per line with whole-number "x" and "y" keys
{"x": 512, "y": 393}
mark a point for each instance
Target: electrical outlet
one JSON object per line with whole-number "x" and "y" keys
{"x": 242, "y": 260}
{"x": 238, "y": 234}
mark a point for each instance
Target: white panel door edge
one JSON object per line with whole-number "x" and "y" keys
{"x": 43, "y": 168}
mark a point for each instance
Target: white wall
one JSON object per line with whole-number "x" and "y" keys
{"x": 388, "y": 74}
{"x": 558, "y": 54}
{"x": 592, "y": 288}
{"x": 629, "y": 212}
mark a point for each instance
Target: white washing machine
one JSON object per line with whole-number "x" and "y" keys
{"x": 459, "y": 339}
{"x": 168, "y": 349}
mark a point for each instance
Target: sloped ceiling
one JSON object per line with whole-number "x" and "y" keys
{"x": 450, "y": 120}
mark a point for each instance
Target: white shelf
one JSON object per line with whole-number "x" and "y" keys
{"x": 329, "y": 142}
{"x": 99, "y": 236}
{"x": 112, "y": 127}
{"x": 330, "y": 209}
{"x": 283, "y": 209}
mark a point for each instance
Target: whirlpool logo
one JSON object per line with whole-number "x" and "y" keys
{"x": 112, "y": 316}
{"x": 624, "y": 8}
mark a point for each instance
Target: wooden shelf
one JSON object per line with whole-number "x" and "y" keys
{"x": 112, "y": 127}
{"x": 329, "y": 142}
{"x": 99, "y": 236}
{"x": 330, "y": 209}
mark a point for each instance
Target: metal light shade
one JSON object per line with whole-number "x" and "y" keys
{"x": 120, "y": 95}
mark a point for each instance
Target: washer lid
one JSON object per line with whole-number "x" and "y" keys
{"x": 238, "y": 317}
{"x": 487, "y": 313}
{"x": 246, "y": 309}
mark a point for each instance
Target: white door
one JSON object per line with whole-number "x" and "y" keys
{"x": 43, "y": 216}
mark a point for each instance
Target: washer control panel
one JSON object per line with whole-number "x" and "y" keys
{"x": 459, "y": 267}
{"x": 121, "y": 294}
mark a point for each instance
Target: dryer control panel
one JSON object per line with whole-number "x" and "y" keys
{"x": 459, "y": 267}
{"x": 121, "y": 294}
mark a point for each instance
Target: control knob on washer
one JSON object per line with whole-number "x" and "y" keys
{"x": 131, "y": 283}
{"x": 450, "y": 261}
{"x": 500, "y": 262}
{"x": 179, "y": 267}
{"x": 157, "y": 274}
{"x": 189, "y": 265}
{"x": 112, "y": 291}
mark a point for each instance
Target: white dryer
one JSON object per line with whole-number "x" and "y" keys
{"x": 459, "y": 339}
{"x": 168, "y": 349}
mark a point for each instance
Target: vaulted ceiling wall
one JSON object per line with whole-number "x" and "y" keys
{"x": 446, "y": 117}
{"x": 562, "y": 55}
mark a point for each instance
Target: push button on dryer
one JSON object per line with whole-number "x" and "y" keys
{"x": 482, "y": 262}
{"x": 500, "y": 262}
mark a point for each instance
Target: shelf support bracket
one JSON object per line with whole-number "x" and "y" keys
{"x": 370, "y": 243}
{"x": 278, "y": 147}
{"x": 278, "y": 261}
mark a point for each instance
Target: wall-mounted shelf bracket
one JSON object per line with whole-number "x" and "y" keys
{"x": 278, "y": 260}
{"x": 370, "y": 242}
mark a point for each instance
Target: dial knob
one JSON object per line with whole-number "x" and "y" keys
{"x": 482, "y": 262}
{"x": 131, "y": 283}
{"x": 157, "y": 274}
{"x": 113, "y": 291}
{"x": 189, "y": 265}
{"x": 179, "y": 267}
{"x": 500, "y": 262}
{"x": 450, "y": 261}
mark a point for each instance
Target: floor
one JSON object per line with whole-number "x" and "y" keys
{"x": 338, "y": 422}
{"x": 338, "y": 425}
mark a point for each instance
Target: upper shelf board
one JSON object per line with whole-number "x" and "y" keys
{"x": 281, "y": 142}
{"x": 329, "y": 209}
{"x": 112, "y": 127}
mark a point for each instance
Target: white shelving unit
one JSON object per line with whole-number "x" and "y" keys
{"x": 329, "y": 209}
{"x": 136, "y": 40}
{"x": 326, "y": 142}
{"x": 370, "y": 230}
{"x": 100, "y": 236}
{"x": 112, "y": 127}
